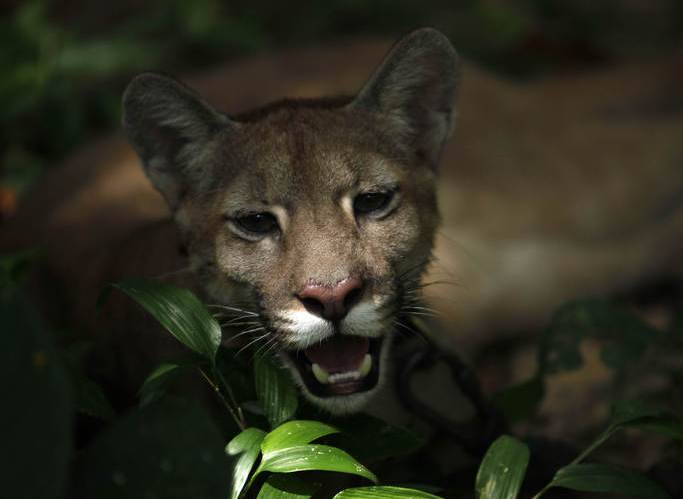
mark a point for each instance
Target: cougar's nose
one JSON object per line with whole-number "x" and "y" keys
{"x": 331, "y": 302}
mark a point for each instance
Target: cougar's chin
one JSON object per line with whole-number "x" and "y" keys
{"x": 341, "y": 374}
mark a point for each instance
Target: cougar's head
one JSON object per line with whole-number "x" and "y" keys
{"x": 316, "y": 218}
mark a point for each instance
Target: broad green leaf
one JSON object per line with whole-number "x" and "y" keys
{"x": 294, "y": 433}
{"x": 179, "y": 311}
{"x": 520, "y": 401}
{"x": 502, "y": 470}
{"x": 168, "y": 450}
{"x": 607, "y": 478}
{"x": 313, "y": 457}
{"x": 246, "y": 445}
{"x": 385, "y": 492}
{"x": 275, "y": 391}
{"x": 37, "y": 409}
{"x": 156, "y": 384}
{"x": 370, "y": 439}
{"x": 280, "y": 486}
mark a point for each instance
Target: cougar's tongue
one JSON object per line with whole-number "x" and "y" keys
{"x": 339, "y": 354}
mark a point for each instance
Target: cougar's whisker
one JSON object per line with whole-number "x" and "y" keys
{"x": 248, "y": 331}
{"x": 252, "y": 342}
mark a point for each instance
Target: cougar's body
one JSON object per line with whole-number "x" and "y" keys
{"x": 566, "y": 186}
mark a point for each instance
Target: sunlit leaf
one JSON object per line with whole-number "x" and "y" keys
{"x": 295, "y": 433}
{"x": 313, "y": 457}
{"x": 275, "y": 391}
{"x": 607, "y": 478}
{"x": 179, "y": 311}
{"x": 385, "y": 492}
{"x": 246, "y": 445}
{"x": 502, "y": 470}
{"x": 280, "y": 486}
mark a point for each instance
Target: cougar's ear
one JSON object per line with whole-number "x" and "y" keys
{"x": 170, "y": 127}
{"x": 415, "y": 87}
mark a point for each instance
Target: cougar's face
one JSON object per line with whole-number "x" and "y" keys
{"x": 312, "y": 220}
{"x": 317, "y": 226}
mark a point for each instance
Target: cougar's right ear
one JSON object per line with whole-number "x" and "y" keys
{"x": 170, "y": 127}
{"x": 415, "y": 88}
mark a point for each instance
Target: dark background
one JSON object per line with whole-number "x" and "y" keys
{"x": 65, "y": 63}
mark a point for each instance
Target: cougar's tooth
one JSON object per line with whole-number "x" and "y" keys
{"x": 320, "y": 374}
{"x": 365, "y": 366}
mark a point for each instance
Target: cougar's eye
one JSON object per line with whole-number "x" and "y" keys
{"x": 373, "y": 203}
{"x": 258, "y": 224}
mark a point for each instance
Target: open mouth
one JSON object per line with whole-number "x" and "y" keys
{"x": 341, "y": 365}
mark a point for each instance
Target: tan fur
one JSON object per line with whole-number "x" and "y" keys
{"x": 549, "y": 190}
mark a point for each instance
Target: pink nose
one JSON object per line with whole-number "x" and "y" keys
{"x": 331, "y": 302}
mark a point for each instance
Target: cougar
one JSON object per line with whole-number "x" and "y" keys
{"x": 312, "y": 222}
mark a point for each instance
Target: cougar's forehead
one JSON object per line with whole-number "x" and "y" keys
{"x": 303, "y": 156}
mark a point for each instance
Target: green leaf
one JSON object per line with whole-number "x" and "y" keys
{"x": 607, "y": 478}
{"x": 179, "y": 311}
{"x": 156, "y": 384}
{"x": 502, "y": 470}
{"x": 287, "y": 487}
{"x": 313, "y": 457}
{"x": 247, "y": 446}
{"x": 385, "y": 492}
{"x": 295, "y": 433}
{"x": 275, "y": 391}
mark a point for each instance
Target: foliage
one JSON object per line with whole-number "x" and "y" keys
{"x": 169, "y": 447}
{"x": 287, "y": 448}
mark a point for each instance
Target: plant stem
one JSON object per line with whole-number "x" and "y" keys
{"x": 228, "y": 389}
{"x": 596, "y": 443}
{"x": 235, "y": 412}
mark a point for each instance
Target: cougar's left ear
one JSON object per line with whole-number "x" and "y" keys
{"x": 171, "y": 128}
{"x": 415, "y": 87}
